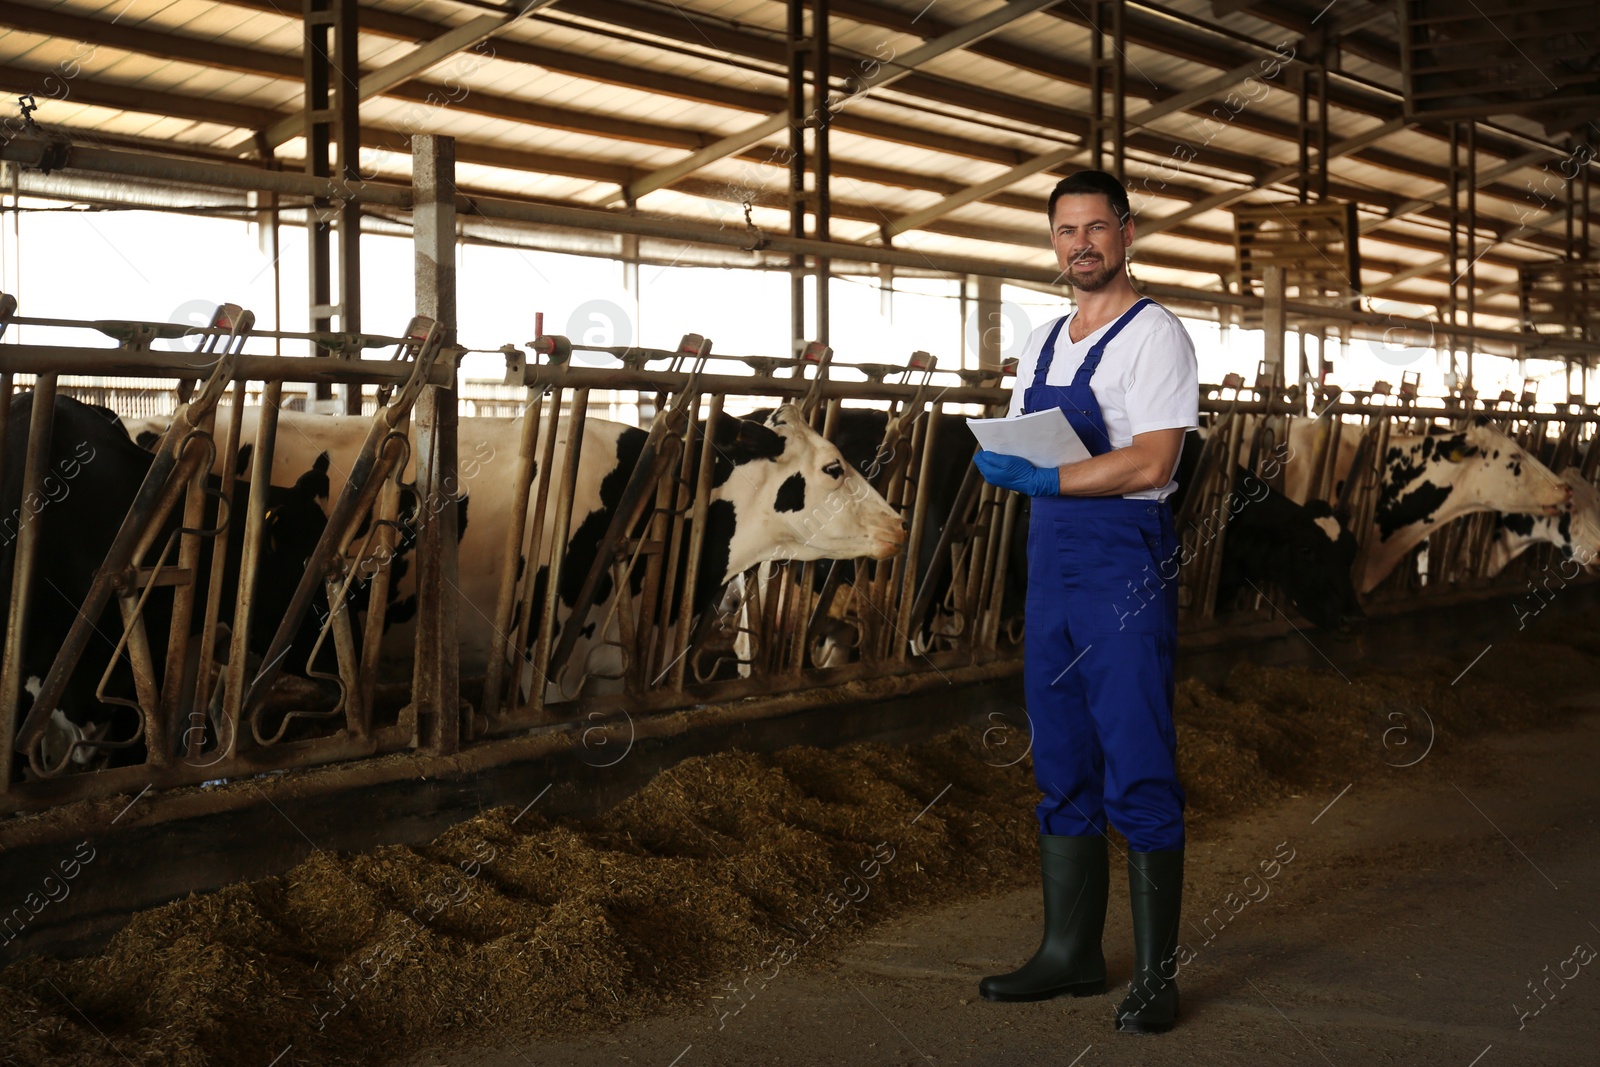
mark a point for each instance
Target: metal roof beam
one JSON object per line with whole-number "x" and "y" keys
{"x": 929, "y": 26}
{"x": 887, "y": 74}
{"x": 1223, "y": 199}
{"x": 133, "y": 98}
{"x": 229, "y": 175}
{"x": 916, "y": 220}
{"x": 1552, "y": 219}
{"x": 682, "y": 27}
{"x": 1483, "y": 178}
{"x": 422, "y": 59}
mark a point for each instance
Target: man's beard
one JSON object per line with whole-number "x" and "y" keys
{"x": 1095, "y": 280}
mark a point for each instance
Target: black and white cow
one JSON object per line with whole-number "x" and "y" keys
{"x": 1306, "y": 551}
{"x": 1429, "y": 479}
{"x": 771, "y": 481}
{"x": 1576, "y": 534}
{"x": 859, "y": 435}
{"x": 94, "y": 472}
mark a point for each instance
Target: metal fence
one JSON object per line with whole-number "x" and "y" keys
{"x": 591, "y": 607}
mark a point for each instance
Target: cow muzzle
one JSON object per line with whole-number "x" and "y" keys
{"x": 888, "y": 540}
{"x": 1563, "y": 505}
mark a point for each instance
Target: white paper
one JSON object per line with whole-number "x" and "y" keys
{"x": 1043, "y": 438}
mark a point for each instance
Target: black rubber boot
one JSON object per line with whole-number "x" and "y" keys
{"x": 1155, "y": 892}
{"x": 1069, "y": 962}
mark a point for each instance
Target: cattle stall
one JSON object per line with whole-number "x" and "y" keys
{"x": 626, "y": 620}
{"x": 215, "y": 694}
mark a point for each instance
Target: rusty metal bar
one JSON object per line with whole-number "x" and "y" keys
{"x": 40, "y": 427}
{"x": 260, "y": 481}
{"x": 191, "y": 738}
{"x": 371, "y": 466}
{"x": 506, "y": 595}
{"x": 384, "y": 532}
{"x": 562, "y": 531}
{"x": 677, "y": 497}
{"x": 156, "y": 496}
{"x": 906, "y": 588}
{"x": 697, "y": 535}
{"x": 180, "y": 366}
{"x": 535, "y": 540}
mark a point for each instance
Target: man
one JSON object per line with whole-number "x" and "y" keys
{"x": 1102, "y": 610}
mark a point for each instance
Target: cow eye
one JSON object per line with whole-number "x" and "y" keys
{"x": 834, "y": 469}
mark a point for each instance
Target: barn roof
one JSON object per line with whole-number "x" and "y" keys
{"x": 598, "y": 104}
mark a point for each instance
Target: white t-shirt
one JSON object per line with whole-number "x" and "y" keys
{"x": 1148, "y": 378}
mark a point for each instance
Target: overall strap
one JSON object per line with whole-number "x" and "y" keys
{"x": 1092, "y": 360}
{"x": 1047, "y": 354}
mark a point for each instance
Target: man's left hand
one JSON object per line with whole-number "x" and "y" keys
{"x": 1014, "y": 472}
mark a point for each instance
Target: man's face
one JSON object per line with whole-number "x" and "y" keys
{"x": 1091, "y": 248}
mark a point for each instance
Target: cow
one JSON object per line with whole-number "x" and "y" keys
{"x": 94, "y": 472}
{"x": 859, "y": 434}
{"x": 1305, "y": 550}
{"x": 779, "y": 491}
{"x": 1427, "y": 480}
{"x": 1576, "y": 533}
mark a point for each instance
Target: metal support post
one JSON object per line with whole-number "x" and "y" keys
{"x": 333, "y": 128}
{"x": 436, "y": 685}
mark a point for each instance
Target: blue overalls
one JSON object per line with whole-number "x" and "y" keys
{"x": 1101, "y": 634}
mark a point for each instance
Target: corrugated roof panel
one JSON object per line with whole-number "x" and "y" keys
{"x": 1347, "y": 168}
{"x": 32, "y": 50}
{"x": 571, "y": 29}
{"x": 561, "y": 28}
{"x": 943, "y": 244}
{"x": 206, "y": 20}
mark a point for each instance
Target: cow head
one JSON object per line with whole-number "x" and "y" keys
{"x": 794, "y": 496}
{"x": 1319, "y": 581}
{"x": 1449, "y": 472}
{"x": 1576, "y": 533}
{"x": 1583, "y": 533}
{"x": 1306, "y": 551}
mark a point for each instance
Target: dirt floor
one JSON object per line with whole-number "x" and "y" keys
{"x": 1418, "y": 843}
{"x": 1427, "y": 917}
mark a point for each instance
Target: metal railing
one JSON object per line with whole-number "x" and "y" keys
{"x": 622, "y": 629}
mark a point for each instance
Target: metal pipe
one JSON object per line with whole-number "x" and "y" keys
{"x": 697, "y": 532}
{"x": 30, "y": 152}
{"x": 536, "y": 555}
{"x": 40, "y": 426}
{"x": 384, "y": 532}
{"x": 118, "y": 362}
{"x": 506, "y": 595}
{"x": 569, "y": 481}
{"x": 260, "y": 480}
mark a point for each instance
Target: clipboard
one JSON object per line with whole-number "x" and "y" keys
{"x": 1043, "y": 438}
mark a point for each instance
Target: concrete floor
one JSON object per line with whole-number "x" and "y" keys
{"x": 1421, "y": 909}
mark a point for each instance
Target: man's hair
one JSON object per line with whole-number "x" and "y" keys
{"x": 1091, "y": 183}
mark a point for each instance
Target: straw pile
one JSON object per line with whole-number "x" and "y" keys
{"x": 727, "y": 865}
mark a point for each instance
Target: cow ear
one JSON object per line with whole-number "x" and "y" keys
{"x": 1459, "y": 452}
{"x": 740, "y": 441}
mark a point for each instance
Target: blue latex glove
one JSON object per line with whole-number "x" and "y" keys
{"x": 1014, "y": 472}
